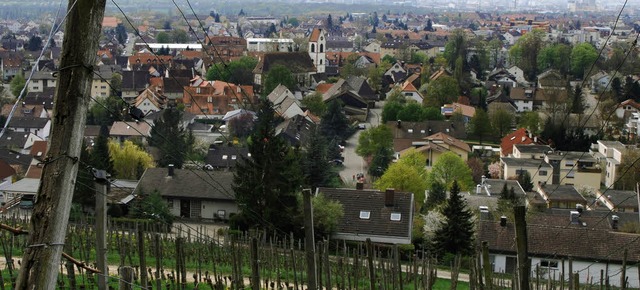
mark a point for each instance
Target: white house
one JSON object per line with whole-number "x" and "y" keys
{"x": 284, "y": 102}
{"x": 269, "y": 44}
{"x": 609, "y": 154}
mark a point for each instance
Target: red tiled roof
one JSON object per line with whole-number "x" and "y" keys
{"x": 39, "y": 149}
{"x": 315, "y": 34}
{"x": 110, "y": 21}
{"x": 6, "y": 170}
{"x": 323, "y": 88}
{"x": 519, "y": 136}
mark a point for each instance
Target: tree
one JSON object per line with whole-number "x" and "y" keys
{"x": 35, "y": 43}
{"x": 314, "y": 103}
{"x": 100, "y": 157}
{"x": 507, "y": 200}
{"x": 456, "y": 48}
{"x": 329, "y": 23}
{"x": 106, "y": 110}
{"x": 84, "y": 191}
{"x": 121, "y": 33}
{"x": 241, "y": 126}
{"x": 525, "y": 52}
{"x": 480, "y": 125}
{"x": 390, "y": 111}
{"x": 151, "y": 206}
{"x": 236, "y": 71}
{"x": 556, "y": 56}
{"x": 316, "y": 167}
{"x": 129, "y": 160}
{"x": 402, "y": 176}
{"x": 179, "y": 36}
{"x": 267, "y": 182}
{"x": 442, "y": 90}
{"x": 412, "y": 112}
{"x": 501, "y": 121}
{"x": 429, "y": 26}
{"x": 628, "y": 172}
{"x": 380, "y": 162}
{"x": 525, "y": 181}
{"x": 170, "y": 137}
{"x": 577, "y": 100}
{"x": 455, "y": 236}
{"x": 17, "y": 84}
{"x": 334, "y": 124}
{"x": 437, "y": 195}
{"x": 116, "y": 85}
{"x": 449, "y": 168}
{"x": 278, "y": 75}
{"x": 163, "y": 37}
{"x": 583, "y": 56}
{"x": 477, "y": 169}
{"x": 326, "y": 215}
{"x": 531, "y": 121}
{"x": 371, "y": 140}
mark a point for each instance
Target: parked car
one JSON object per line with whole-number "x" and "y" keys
{"x": 362, "y": 126}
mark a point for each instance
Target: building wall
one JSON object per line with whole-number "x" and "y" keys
{"x": 542, "y": 175}
{"x": 100, "y": 88}
{"x": 587, "y": 269}
{"x": 208, "y": 207}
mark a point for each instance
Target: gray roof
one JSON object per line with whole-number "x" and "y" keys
{"x": 28, "y": 122}
{"x": 211, "y": 185}
{"x": 572, "y": 155}
{"x": 494, "y": 187}
{"x": 12, "y": 139}
{"x": 622, "y": 198}
{"x": 525, "y": 162}
{"x": 556, "y": 192}
{"x": 379, "y": 227}
{"x": 225, "y": 156}
{"x": 532, "y": 148}
{"x": 24, "y": 186}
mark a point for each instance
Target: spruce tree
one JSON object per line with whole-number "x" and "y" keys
{"x": 334, "y": 123}
{"x": 437, "y": 195}
{"x": 456, "y": 232}
{"x": 100, "y": 158}
{"x": 84, "y": 191}
{"x": 266, "y": 183}
{"x": 171, "y": 138}
{"x": 316, "y": 164}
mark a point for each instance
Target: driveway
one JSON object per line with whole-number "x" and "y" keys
{"x": 354, "y": 164}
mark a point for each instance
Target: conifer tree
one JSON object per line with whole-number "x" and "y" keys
{"x": 100, "y": 158}
{"x": 171, "y": 138}
{"x": 334, "y": 123}
{"x": 456, "y": 232}
{"x": 316, "y": 164}
{"x": 266, "y": 183}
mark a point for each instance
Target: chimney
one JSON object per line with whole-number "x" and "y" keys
{"x": 388, "y": 197}
{"x": 614, "y": 222}
{"x": 503, "y": 221}
{"x": 399, "y": 124}
{"x": 484, "y": 180}
{"x": 360, "y": 185}
{"x": 579, "y": 208}
{"x": 170, "y": 170}
{"x": 478, "y": 189}
{"x": 484, "y": 212}
{"x": 574, "y": 217}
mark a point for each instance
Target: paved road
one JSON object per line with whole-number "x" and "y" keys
{"x": 354, "y": 164}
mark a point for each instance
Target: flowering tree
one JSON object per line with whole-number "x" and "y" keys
{"x": 495, "y": 170}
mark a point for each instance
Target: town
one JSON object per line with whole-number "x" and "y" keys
{"x": 455, "y": 146}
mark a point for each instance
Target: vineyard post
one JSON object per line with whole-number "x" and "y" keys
{"x": 72, "y": 97}
{"x": 143, "y": 260}
{"x": 524, "y": 264}
{"x": 309, "y": 243}
{"x": 101, "y": 181}
{"x": 255, "y": 272}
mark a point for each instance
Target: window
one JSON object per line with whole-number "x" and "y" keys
{"x": 313, "y": 47}
{"x": 549, "y": 264}
{"x": 170, "y": 203}
{"x": 321, "y": 47}
{"x": 571, "y": 174}
{"x": 543, "y": 173}
{"x": 210, "y": 99}
{"x": 224, "y": 157}
{"x": 569, "y": 164}
{"x": 396, "y": 216}
{"x": 221, "y": 214}
{"x": 365, "y": 214}
{"x": 520, "y": 172}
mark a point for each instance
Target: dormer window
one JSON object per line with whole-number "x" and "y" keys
{"x": 365, "y": 214}
{"x": 396, "y": 216}
{"x": 224, "y": 157}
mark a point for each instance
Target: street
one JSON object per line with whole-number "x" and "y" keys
{"x": 354, "y": 164}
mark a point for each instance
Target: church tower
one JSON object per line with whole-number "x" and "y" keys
{"x": 317, "y": 48}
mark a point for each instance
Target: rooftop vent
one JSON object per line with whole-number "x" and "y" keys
{"x": 574, "y": 217}
{"x": 503, "y": 221}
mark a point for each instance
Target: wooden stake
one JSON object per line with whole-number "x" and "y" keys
{"x": 53, "y": 203}
{"x": 524, "y": 264}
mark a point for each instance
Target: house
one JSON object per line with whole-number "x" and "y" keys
{"x": 531, "y": 151}
{"x": 207, "y": 99}
{"x": 224, "y": 157}
{"x": 397, "y": 73}
{"x": 625, "y": 110}
{"x": 225, "y": 48}
{"x": 618, "y": 200}
{"x": 551, "y": 79}
{"x": 599, "y": 82}
{"x": 41, "y": 80}
{"x": 10, "y": 64}
{"x": 410, "y": 92}
{"x": 512, "y": 36}
{"x": 362, "y": 87}
{"x": 493, "y": 187}
{"x": 6, "y": 176}
{"x": 560, "y": 196}
{"x": 405, "y": 133}
{"x": 41, "y": 127}
{"x": 466, "y": 111}
{"x": 518, "y": 74}
{"x": 130, "y": 130}
{"x": 39, "y": 154}
{"x": 20, "y": 162}
{"x": 382, "y": 216}
{"x": 574, "y": 168}
{"x": 435, "y": 145}
{"x": 284, "y": 102}
{"x": 539, "y": 170}
{"x": 355, "y": 107}
{"x": 133, "y": 82}
{"x": 317, "y": 49}
{"x": 18, "y": 141}
{"x": 300, "y": 63}
{"x": 150, "y": 100}
{"x": 522, "y": 98}
{"x": 296, "y": 130}
{"x": 633, "y": 126}
{"x": 26, "y": 187}
{"x": 192, "y": 194}
{"x": 520, "y": 136}
{"x": 609, "y": 154}
{"x": 255, "y": 44}
{"x": 552, "y": 241}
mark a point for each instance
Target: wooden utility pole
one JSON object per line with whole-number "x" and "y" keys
{"x": 524, "y": 265}
{"x": 53, "y": 202}
{"x": 101, "y": 183}
{"x": 309, "y": 241}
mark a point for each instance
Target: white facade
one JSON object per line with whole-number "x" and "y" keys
{"x": 587, "y": 270}
{"x": 269, "y": 44}
{"x": 317, "y": 49}
{"x": 206, "y": 209}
